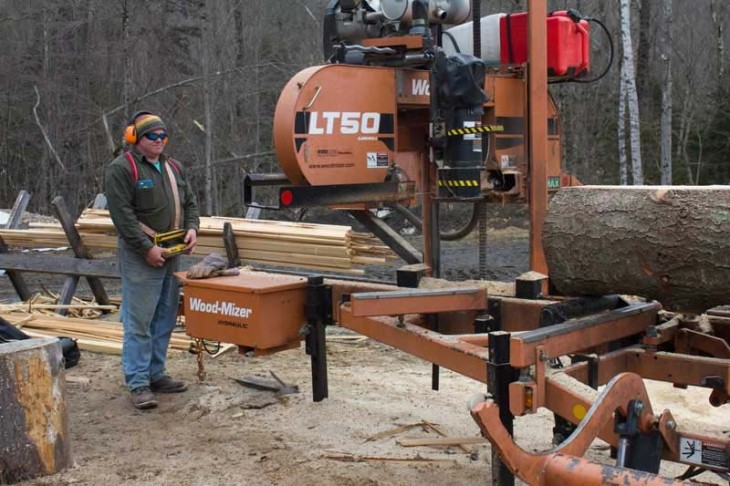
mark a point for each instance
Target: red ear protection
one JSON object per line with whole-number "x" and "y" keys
{"x": 130, "y": 133}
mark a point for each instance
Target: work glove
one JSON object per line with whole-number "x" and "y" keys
{"x": 213, "y": 265}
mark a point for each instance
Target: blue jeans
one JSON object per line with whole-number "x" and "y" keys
{"x": 150, "y": 299}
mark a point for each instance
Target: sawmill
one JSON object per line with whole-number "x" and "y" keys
{"x": 360, "y": 132}
{"x": 428, "y": 103}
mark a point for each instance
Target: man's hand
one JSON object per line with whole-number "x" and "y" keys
{"x": 155, "y": 257}
{"x": 191, "y": 238}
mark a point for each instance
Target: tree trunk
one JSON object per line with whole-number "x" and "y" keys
{"x": 666, "y": 123}
{"x": 717, "y": 21}
{"x": 643, "y": 57}
{"x": 34, "y": 437}
{"x": 632, "y": 102}
{"x": 667, "y": 243}
{"x": 205, "y": 61}
{"x": 623, "y": 163}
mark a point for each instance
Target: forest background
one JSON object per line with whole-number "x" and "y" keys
{"x": 73, "y": 71}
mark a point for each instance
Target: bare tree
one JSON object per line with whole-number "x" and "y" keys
{"x": 623, "y": 162}
{"x": 666, "y": 119}
{"x": 628, "y": 82}
{"x": 717, "y": 20}
{"x": 208, "y": 129}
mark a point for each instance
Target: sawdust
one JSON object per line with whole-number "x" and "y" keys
{"x": 493, "y": 288}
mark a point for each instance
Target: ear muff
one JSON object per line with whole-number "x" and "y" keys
{"x": 130, "y": 132}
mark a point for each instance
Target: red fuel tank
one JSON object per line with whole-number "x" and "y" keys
{"x": 568, "y": 43}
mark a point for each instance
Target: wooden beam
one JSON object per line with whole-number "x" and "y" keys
{"x": 441, "y": 441}
{"x": 57, "y": 264}
{"x": 229, "y": 240}
{"x": 21, "y": 202}
{"x": 97, "y": 288}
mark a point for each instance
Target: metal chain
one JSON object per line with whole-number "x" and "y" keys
{"x": 199, "y": 353}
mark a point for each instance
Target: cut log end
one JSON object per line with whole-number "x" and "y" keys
{"x": 34, "y": 437}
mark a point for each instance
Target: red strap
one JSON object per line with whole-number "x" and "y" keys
{"x": 174, "y": 165}
{"x": 132, "y": 166}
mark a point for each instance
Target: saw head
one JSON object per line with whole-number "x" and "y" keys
{"x": 335, "y": 124}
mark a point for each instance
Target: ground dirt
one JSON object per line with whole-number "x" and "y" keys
{"x": 220, "y": 432}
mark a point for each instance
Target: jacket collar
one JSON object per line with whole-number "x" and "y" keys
{"x": 141, "y": 158}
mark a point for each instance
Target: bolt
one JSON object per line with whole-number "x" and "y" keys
{"x": 671, "y": 424}
{"x": 638, "y": 408}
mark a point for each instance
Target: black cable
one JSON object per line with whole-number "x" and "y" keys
{"x": 444, "y": 235}
{"x": 460, "y": 233}
{"x": 453, "y": 40}
{"x": 691, "y": 472}
{"x": 611, "y": 52}
{"x": 476, "y": 24}
{"x": 205, "y": 346}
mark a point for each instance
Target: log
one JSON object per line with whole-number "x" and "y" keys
{"x": 34, "y": 437}
{"x": 666, "y": 243}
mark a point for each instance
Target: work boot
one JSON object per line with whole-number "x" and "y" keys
{"x": 168, "y": 385}
{"x": 143, "y": 399}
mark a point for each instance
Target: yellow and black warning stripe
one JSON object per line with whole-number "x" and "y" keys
{"x": 455, "y": 132}
{"x": 459, "y": 183}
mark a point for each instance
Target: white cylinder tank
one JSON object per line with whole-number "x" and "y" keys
{"x": 460, "y": 38}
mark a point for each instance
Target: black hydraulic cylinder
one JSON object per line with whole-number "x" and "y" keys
{"x": 499, "y": 375}
{"x": 317, "y": 313}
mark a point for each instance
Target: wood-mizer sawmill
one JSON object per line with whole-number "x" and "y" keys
{"x": 428, "y": 101}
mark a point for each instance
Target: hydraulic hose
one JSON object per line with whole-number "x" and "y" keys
{"x": 444, "y": 235}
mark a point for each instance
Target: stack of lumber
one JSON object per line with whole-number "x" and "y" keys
{"x": 306, "y": 245}
{"x": 47, "y": 304}
{"x": 90, "y": 335}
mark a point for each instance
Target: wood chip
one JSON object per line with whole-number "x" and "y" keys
{"x": 346, "y": 457}
{"x": 440, "y": 441}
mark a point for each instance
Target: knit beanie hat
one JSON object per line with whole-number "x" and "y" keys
{"x": 148, "y": 123}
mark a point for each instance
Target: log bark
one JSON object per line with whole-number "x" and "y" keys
{"x": 34, "y": 436}
{"x": 666, "y": 243}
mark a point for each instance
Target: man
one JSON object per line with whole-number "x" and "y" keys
{"x": 148, "y": 193}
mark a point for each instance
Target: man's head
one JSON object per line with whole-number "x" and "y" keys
{"x": 148, "y": 123}
{"x": 148, "y": 133}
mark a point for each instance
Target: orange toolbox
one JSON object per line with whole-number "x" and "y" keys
{"x": 261, "y": 312}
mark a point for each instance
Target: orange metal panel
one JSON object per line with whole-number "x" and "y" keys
{"x": 520, "y": 314}
{"x": 255, "y": 311}
{"x": 447, "y": 351}
{"x": 676, "y": 368}
{"x": 562, "y": 465}
{"x": 347, "y": 287}
{"x": 413, "y": 87}
{"x": 417, "y": 302}
{"x": 325, "y": 134}
{"x": 538, "y": 131}
{"x": 408, "y": 41}
{"x": 581, "y": 334}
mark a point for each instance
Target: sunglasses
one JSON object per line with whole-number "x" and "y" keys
{"x": 155, "y": 136}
